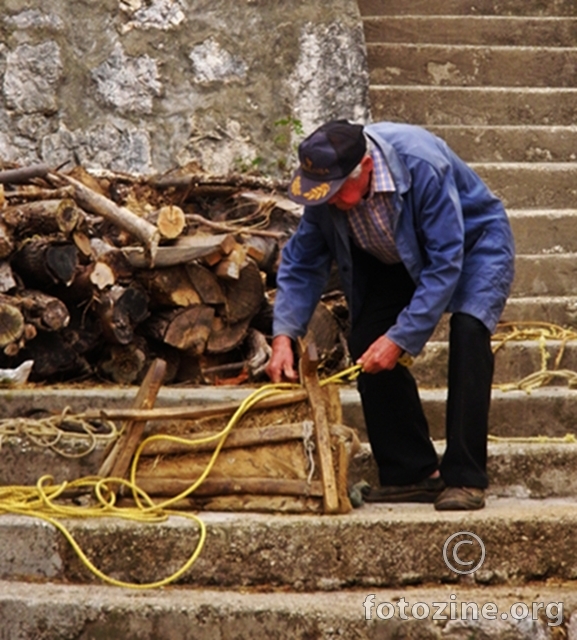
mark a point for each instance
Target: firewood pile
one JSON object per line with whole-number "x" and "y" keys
{"x": 101, "y": 274}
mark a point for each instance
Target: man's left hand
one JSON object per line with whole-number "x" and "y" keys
{"x": 382, "y": 354}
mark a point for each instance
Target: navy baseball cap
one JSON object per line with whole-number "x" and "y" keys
{"x": 327, "y": 157}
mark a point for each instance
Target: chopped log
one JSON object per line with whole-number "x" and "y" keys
{"x": 6, "y": 241}
{"x": 43, "y": 311}
{"x": 87, "y": 179}
{"x": 124, "y": 364}
{"x": 46, "y": 261}
{"x": 244, "y": 296}
{"x": 323, "y": 330}
{"x": 224, "y": 336}
{"x": 7, "y": 280}
{"x": 54, "y": 358}
{"x": 32, "y": 192}
{"x": 2, "y": 197}
{"x": 170, "y": 287}
{"x": 24, "y": 174}
{"x": 169, "y": 487}
{"x": 170, "y": 221}
{"x": 308, "y": 371}
{"x": 206, "y": 283}
{"x": 119, "y": 310}
{"x": 11, "y": 324}
{"x": 281, "y": 399}
{"x": 186, "y": 329}
{"x": 229, "y": 268}
{"x": 99, "y": 204}
{"x": 43, "y": 217}
{"x": 117, "y": 460}
{"x": 186, "y": 249}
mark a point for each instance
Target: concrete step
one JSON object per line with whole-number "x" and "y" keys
{"x": 510, "y": 143}
{"x": 80, "y": 612}
{"x": 513, "y": 361}
{"x": 474, "y": 106}
{"x": 544, "y": 231}
{"x": 509, "y": 31}
{"x": 466, "y": 7}
{"x": 374, "y": 546}
{"x": 560, "y": 310}
{"x": 516, "y": 469}
{"x": 497, "y": 66}
{"x": 550, "y": 275}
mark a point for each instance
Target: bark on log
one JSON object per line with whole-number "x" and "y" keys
{"x": 24, "y": 174}
{"x": 43, "y": 217}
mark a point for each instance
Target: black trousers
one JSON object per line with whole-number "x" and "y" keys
{"x": 397, "y": 428}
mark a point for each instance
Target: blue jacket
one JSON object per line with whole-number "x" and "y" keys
{"x": 452, "y": 234}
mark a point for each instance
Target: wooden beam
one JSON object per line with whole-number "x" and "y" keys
{"x": 308, "y": 372}
{"x": 117, "y": 462}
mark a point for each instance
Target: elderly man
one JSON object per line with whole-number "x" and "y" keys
{"x": 415, "y": 233}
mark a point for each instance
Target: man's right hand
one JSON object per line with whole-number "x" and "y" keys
{"x": 281, "y": 364}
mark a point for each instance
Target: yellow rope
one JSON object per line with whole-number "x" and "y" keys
{"x": 41, "y": 501}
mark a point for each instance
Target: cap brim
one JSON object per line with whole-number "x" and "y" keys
{"x": 312, "y": 192}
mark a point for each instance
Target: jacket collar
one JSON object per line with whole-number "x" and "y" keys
{"x": 399, "y": 171}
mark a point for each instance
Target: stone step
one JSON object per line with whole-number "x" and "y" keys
{"x": 376, "y": 545}
{"x": 546, "y": 412}
{"x": 510, "y": 143}
{"x": 560, "y": 310}
{"x": 508, "y": 31}
{"x": 92, "y": 611}
{"x": 531, "y": 185}
{"x": 544, "y": 231}
{"x": 466, "y": 7}
{"x": 474, "y": 106}
{"x": 550, "y": 275}
{"x": 516, "y": 469}
{"x": 513, "y": 361}
{"x": 497, "y": 66}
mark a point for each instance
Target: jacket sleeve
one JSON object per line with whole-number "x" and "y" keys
{"x": 302, "y": 276}
{"x": 437, "y": 219}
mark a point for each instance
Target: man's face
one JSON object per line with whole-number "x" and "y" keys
{"x": 353, "y": 189}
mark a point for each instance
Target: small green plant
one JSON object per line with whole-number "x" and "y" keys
{"x": 288, "y": 127}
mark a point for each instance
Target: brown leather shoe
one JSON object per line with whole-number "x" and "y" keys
{"x": 460, "y": 499}
{"x": 425, "y": 491}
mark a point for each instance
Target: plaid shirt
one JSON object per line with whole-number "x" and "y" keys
{"x": 372, "y": 221}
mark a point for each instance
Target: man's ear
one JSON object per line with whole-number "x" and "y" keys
{"x": 367, "y": 163}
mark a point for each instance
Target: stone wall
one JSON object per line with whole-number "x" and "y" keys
{"x": 146, "y": 85}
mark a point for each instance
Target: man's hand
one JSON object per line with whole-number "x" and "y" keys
{"x": 382, "y": 354}
{"x": 281, "y": 363}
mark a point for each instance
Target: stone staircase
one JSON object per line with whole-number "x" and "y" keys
{"x": 498, "y": 81}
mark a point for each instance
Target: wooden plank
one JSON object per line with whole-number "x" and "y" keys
{"x": 170, "y": 487}
{"x": 308, "y": 371}
{"x": 117, "y": 462}
{"x": 191, "y": 413}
